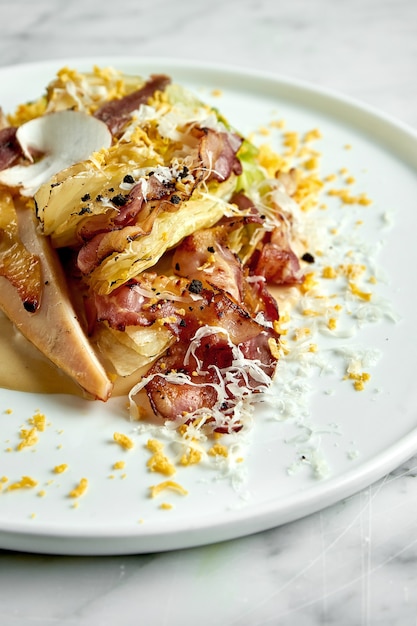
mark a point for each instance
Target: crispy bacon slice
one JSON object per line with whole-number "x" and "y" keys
{"x": 116, "y": 113}
{"x": 197, "y": 374}
{"x": 273, "y": 258}
{"x": 212, "y": 376}
{"x": 140, "y": 302}
{"x": 171, "y": 400}
{"x": 204, "y": 255}
{"x": 217, "y": 153}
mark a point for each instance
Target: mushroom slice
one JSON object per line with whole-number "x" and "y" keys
{"x": 53, "y": 327}
{"x": 62, "y": 139}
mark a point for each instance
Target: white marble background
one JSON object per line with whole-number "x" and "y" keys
{"x": 352, "y": 564}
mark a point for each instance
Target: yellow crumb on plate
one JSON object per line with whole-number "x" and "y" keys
{"x": 167, "y": 484}
{"x": 364, "y": 295}
{"x": 80, "y": 489}
{"x": 218, "y": 450}
{"x": 26, "y": 482}
{"x": 191, "y": 457}
{"x": 159, "y": 462}
{"x": 39, "y": 421}
{"x": 123, "y": 440}
{"x": 59, "y": 469}
{"x": 29, "y": 437}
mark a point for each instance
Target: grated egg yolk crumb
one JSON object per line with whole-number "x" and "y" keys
{"x": 308, "y": 283}
{"x": 167, "y": 484}
{"x": 123, "y": 440}
{"x": 311, "y": 135}
{"x": 332, "y": 323}
{"x": 358, "y": 292}
{"x": 270, "y": 160}
{"x": 218, "y": 450}
{"x": 274, "y": 347}
{"x": 39, "y": 421}
{"x": 26, "y": 482}
{"x": 359, "y": 379}
{"x": 29, "y": 437}
{"x": 80, "y": 489}
{"x": 59, "y": 469}
{"x": 158, "y": 461}
{"x": 329, "y": 272}
{"x": 191, "y": 457}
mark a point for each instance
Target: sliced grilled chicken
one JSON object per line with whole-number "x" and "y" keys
{"x": 51, "y": 322}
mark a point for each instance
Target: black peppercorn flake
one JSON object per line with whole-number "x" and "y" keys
{"x": 129, "y": 179}
{"x": 30, "y": 305}
{"x": 307, "y": 257}
{"x": 196, "y": 286}
{"x": 184, "y": 172}
{"x": 210, "y": 249}
{"x": 119, "y": 200}
{"x": 175, "y": 199}
{"x": 85, "y": 198}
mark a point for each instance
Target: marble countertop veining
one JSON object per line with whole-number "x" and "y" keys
{"x": 354, "y": 563}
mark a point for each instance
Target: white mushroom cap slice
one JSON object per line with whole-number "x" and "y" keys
{"x": 63, "y": 138}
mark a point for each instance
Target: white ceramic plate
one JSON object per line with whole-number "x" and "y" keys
{"x": 359, "y": 435}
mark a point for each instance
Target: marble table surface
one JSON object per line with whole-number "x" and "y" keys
{"x": 354, "y": 563}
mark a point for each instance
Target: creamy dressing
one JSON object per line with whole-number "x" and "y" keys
{"x": 24, "y": 368}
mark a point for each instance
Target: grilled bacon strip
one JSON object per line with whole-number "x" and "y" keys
{"x": 213, "y": 374}
{"x": 274, "y": 258}
{"x": 217, "y": 153}
{"x": 116, "y": 113}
